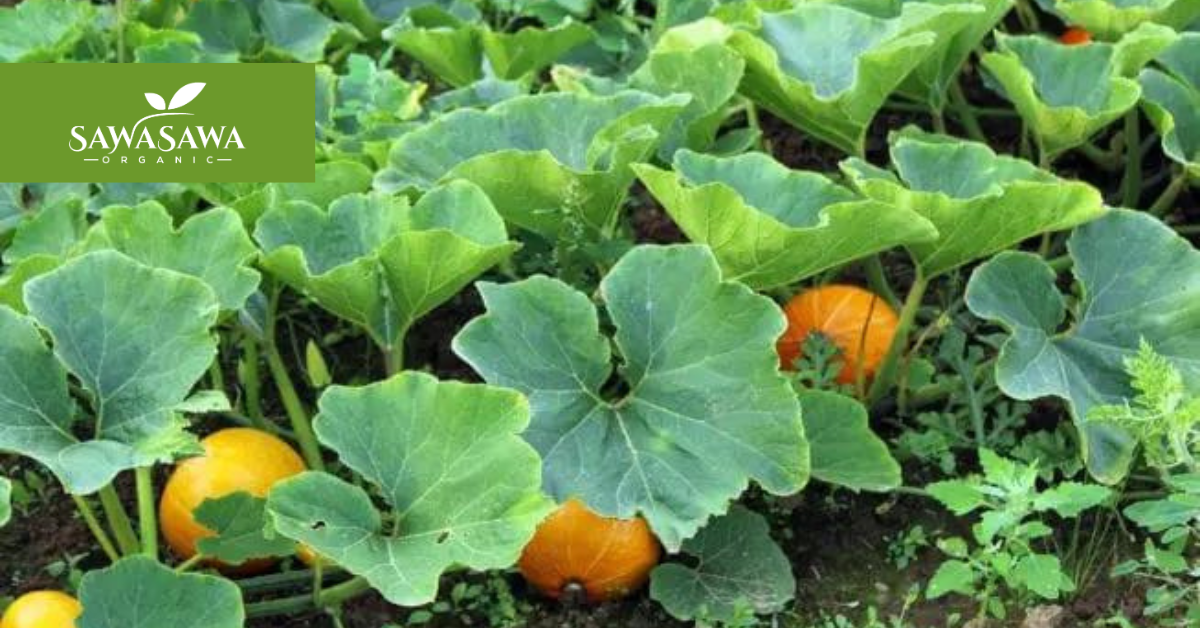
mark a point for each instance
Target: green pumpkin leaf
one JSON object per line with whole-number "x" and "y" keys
{"x": 299, "y": 30}
{"x": 239, "y": 521}
{"x": 931, "y": 80}
{"x": 138, "y": 592}
{"x": 978, "y": 201}
{"x": 737, "y": 566}
{"x": 1110, "y": 19}
{"x": 828, "y": 69}
{"x": 225, "y": 27}
{"x": 5, "y": 501}
{"x": 538, "y": 171}
{"x": 1124, "y": 301}
{"x": 12, "y": 283}
{"x": 693, "y": 59}
{"x": 212, "y": 246}
{"x": 688, "y": 436}
{"x": 1172, "y": 101}
{"x": 42, "y": 30}
{"x": 136, "y": 338}
{"x": 54, "y": 231}
{"x": 379, "y": 263}
{"x": 446, "y": 456}
{"x": 770, "y": 226}
{"x": 1162, "y": 514}
{"x": 844, "y": 450}
{"x": 455, "y": 50}
{"x": 1067, "y": 94}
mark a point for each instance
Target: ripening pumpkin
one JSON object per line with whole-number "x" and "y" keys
{"x": 1075, "y": 36}
{"x": 575, "y": 549}
{"x": 235, "y": 459}
{"x": 857, "y": 321}
{"x": 42, "y": 609}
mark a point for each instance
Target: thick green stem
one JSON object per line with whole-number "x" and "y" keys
{"x": 966, "y": 113}
{"x": 1107, "y": 161}
{"x": 393, "y": 356}
{"x": 1131, "y": 184}
{"x": 1166, "y": 201}
{"x": 118, "y": 521}
{"x": 215, "y": 375}
{"x": 251, "y": 386}
{"x": 279, "y": 581}
{"x": 297, "y": 415}
{"x": 885, "y": 376}
{"x": 333, "y": 596}
{"x": 89, "y": 517}
{"x": 189, "y": 563}
{"x": 147, "y": 518}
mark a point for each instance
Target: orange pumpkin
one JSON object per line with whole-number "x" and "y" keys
{"x": 576, "y": 548}
{"x": 1075, "y": 36}
{"x": 42, "y": 609}
{"x": 858, "y": 322}
{"x": 236, "y": 459}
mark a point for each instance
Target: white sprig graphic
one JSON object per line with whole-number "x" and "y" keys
{"x": 185, "y": 95}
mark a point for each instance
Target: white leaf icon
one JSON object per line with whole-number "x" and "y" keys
{"x": 156, "y": 101}
{"x": 185, "y": 95}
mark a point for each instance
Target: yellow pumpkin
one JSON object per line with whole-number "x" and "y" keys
{"x": 42, "y": 609}
{"x": 235, "y": 459}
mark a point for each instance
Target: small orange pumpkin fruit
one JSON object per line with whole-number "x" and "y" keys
{"x": 860, "y": 323}
{"x": 42, "y": 609}
{"x": 1075, "y": 36}
{"x": 574, "y": 548}
{"x": 235, "y": 459}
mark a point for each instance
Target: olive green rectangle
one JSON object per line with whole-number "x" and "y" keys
{"x": 110, "y": 122}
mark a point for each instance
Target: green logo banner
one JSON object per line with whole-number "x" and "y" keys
{"x": 160, "y": 122}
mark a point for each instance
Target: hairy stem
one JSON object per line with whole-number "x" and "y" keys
{"x": 118, "y": 521}
{"x": 885, "y": 376}
{"x": 1131, "y": 184}
{"x": 147, "y": 518}
{"x": 89, "y": 517}
{"x": 297, "y": 415}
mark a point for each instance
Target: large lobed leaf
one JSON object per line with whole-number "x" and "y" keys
{"x": 138, "y": 592}
{"x": 706, "y": 409}
{"x": 464, "y": 488}
{"x": 136, "y": 338}
{"x": 231, "y": 29}
{"x": 539, "y": 171}
{"x": 978, "y": 201}
{"x": 239, "y": 525}
{"x": 375, "y": 261}
{"x": 737, "y": 567}
{"x": 1154, "y": 296}
{"x": 1067, "y": 94}
{"x": 931, "y": 80}
{"x": 1172, "y": 101}
{"x": 42, "y": 30}
{"x": 456, "y": 50}
{"x": 828, "y": 69}
{"x": 769, "y": 226}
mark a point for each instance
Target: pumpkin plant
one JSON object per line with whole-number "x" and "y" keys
{"x": 828, "y": 68}
{"x": 541, "y": 176}
{"x": 1067, "y": 94}
{"x": 770, "y": 226}
{"x": 1086, "y": 365}
{"x": 1172, "y": 102}
{"x": 978, "y": 201}
{"x": 459, "y": 52}
{"x": 380, "y": 262}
